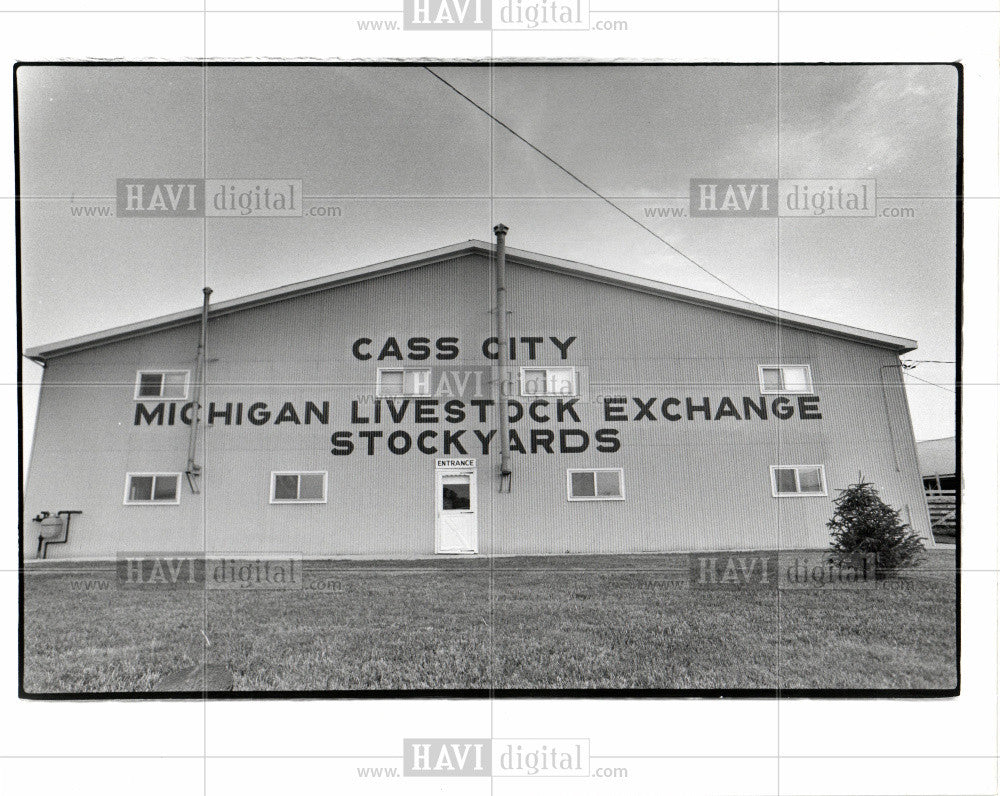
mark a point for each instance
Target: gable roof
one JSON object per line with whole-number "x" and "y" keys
{"x": 936, "y": 456}
{"x": 531, "y": 259}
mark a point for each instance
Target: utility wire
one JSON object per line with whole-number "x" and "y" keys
{"x": 598, "y": 194}
{"x": 939, "y": 386}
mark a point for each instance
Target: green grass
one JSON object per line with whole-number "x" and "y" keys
{"x": 544, "y": 622}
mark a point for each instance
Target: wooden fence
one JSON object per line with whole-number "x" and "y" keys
{"x": 941, "y": 503}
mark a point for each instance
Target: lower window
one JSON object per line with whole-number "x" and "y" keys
{"x": 799, "y": 480}
{"x": 152, "y": 488}
{"x": 595, "y": 484}
{"x": 299, "y": 487}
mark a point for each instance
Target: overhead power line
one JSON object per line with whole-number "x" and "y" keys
{"x": 931, "y": 383}
{"x": 597, "y": 193}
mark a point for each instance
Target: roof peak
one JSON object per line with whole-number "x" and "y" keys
{"x": 473, "y": 245}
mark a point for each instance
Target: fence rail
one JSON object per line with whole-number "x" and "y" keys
{"x": 942, "y": 506}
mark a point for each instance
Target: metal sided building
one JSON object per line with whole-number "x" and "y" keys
{"x": 357, "y": 415}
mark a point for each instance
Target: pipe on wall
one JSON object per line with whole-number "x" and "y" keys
{"x": 43, "y": 543}
{"x": 503, "y": 360}
{"x": 193, "y": 470}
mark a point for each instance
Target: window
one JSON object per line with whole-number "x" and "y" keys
{"x": 785, "y": 378}
{"x": 305, "y": 487}
{"x": 166, "y": 385}
{"x": 152, "y": 488}
{"x": 548, "y": 381}
{"x": 802, "y": 480}
{"x": 603, "y": 484}
{"x": 456, "y": 493}
{"x": 403, "y": 381}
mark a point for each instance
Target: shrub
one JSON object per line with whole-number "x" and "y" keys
{"x": 864, "y": 524}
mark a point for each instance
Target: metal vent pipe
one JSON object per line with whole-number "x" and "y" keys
{"x": 193, "y": 470}
{"x": 503, "y": 358}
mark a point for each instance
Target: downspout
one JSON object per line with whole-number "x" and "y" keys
{"x": 888, "y": 412}
{"x": 503, "y": 355}
{"x": 193, "y": 470}
{"x": 899, "y": 366}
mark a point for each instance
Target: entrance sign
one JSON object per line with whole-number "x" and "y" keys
{"x": 463, "y": 464}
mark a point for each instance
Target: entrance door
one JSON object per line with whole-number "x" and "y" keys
{"x": 456, "y": 527}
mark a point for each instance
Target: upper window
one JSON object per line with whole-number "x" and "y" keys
{"x": 548, "y": 381}
{"x": 785, "y": 378}
{"x": 152, "y": 488}
{"x": 599, "y": 484}
{"x": 304, "y": 487}
{"x": 403, "y": 381}
{"x": 167, "y": 385}
{"x": 803, "y": 480}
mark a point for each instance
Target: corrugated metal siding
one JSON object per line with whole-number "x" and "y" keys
{"x": 690, "y": 485}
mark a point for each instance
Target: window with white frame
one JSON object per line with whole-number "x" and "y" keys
{"x": 403, "y": 381}
{"x": 164, "y": 385}
{"x": 560, "y": 382}
{"x": 785, "y": 379}
{"x": 152, "y": 489}
{"x": 603, "y": 483}
{"x": 799, "y": 480}
{"x": 298, "y": 487}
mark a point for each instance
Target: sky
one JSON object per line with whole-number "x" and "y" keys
{"x": 412, "y": 166}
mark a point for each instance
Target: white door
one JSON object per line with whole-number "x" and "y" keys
{"x": 456, "y": 528}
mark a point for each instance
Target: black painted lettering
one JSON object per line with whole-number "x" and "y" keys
{"x": 424, "y": 411}
{"x": 614, "y": 411}
{"x": 397, "y": 413}
{"x": 321, "y": 413}
{"x": 567, "y": 407}
{"x": 532, "y": 343}
{"x": 534, "y": 411}
{"x": 542, "y": 439}
{"x": 447, "y": 348}
{"x": 750, "y": 406}
{"x": 287, "y": 414}
{"x": 371, "y": 436}
{"x": 142, "y": 413}
{"x": 727, "y": 409}
{"x": 419, "y": 347}
{"x": 342, "y": 445}
{"x": 607, "y": 440}
{"x": 809, "y": 408}
{"x": 665, "y": 409}
{"x": 563, "y": 346}
{"x": 645, "y": 409}
{"x": 390, "y": 350}
{"x": 226, "y": 414}
{"x": 356, "y": 348}
{"x": 454, "y": 412}
{"x": 485, "y": 439}
{"x": 422, "y": 438}
{"x": 782, "y": 408}
{"x": 451, "y": 440}
{"x": 566, "y": 435}
{"x": 704, "y": 407}
{"x": 399, "y": 442}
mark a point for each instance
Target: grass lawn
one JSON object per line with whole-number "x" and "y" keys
{"x": 545, "y": 622}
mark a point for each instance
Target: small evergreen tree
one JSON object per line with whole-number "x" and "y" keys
{"x": 864, "y": 524}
